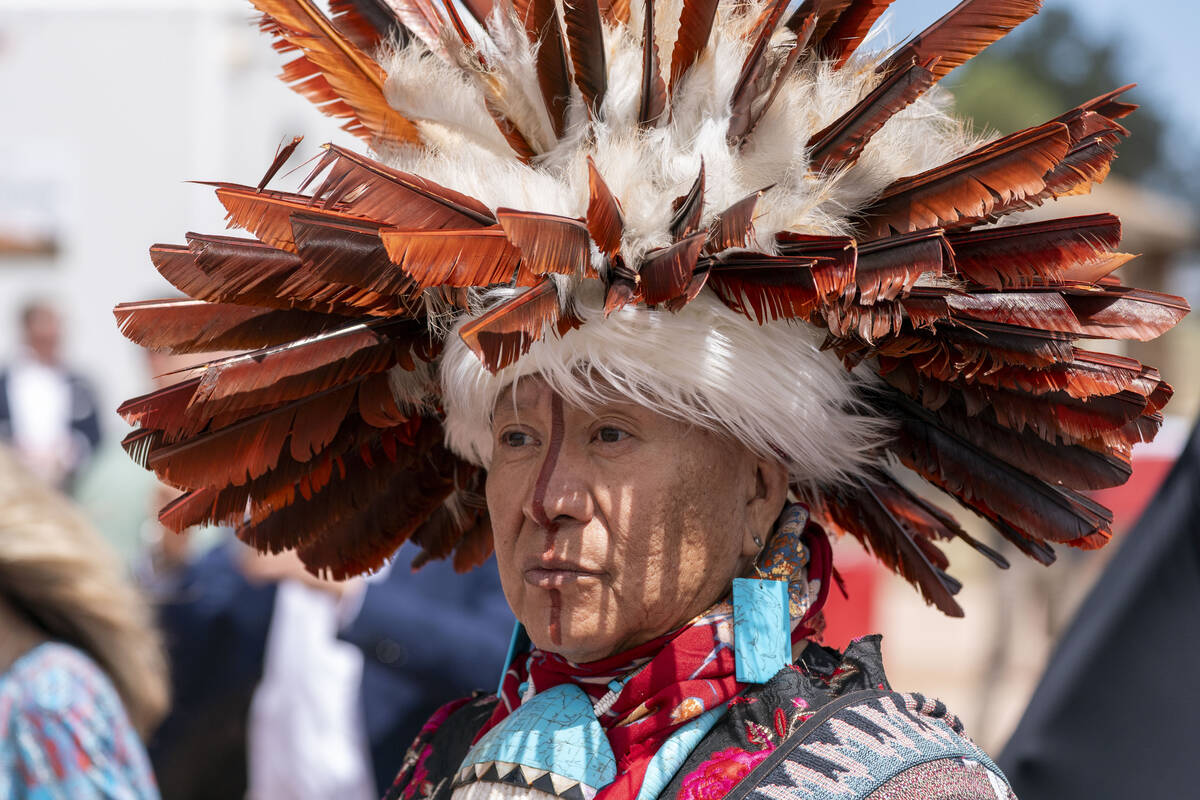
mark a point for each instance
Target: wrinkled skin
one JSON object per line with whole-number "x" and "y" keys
{"x": 622, "y": 525}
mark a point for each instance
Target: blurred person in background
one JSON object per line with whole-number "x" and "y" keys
{"x": 47, "y": 412}
{"x": 290, "y": 686}
{"x": 82, "y": 673}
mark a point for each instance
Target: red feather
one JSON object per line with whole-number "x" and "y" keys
{"x": 554, "y": 77}
{"x": 367, "y": 188}
{"x": 888, "y": 268}
{"x": 839, "y": 145}
{"x": 506, "y": 332}
{"x": 605, "y": 222}
{"x": 586, "y": 39}
{"x": 547, "y": 242}
{"x": 766, "y": 287}
{"x": 281, "y": 157}
{"x": 252, "y": 447}
{"x": 973, "y": 188}
{"x": 852, "y": 26}
{"x": 695, "y": 27}
{"x": 654, "y": 91}
{"x": 192, "y": 326}
{"x": 733, "y": 227}
{"x": 688, "y": 209}
{"x": 478, "y": 257}
{"x": 963, "y": 33}
{"x": 666, "y": 273}
{"x": 1035, "y": 253}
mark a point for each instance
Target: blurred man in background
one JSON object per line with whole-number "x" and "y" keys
{"x": 47, "y": 412}
{"x": 289, "y": 686}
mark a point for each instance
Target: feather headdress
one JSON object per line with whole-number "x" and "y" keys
{"x": 722, "y": 210}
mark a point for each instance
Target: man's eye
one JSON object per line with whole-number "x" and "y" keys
{"x": 515, "y": 439}
{"x": 610, "y": 435}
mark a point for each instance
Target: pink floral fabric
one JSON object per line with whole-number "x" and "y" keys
{"x": 718, "y": 775}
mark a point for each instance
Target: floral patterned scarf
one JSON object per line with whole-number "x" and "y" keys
{"x": 644, "y": 695}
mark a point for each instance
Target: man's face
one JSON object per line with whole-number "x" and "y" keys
{"x": 42, "y": 335}
{"x": 615, "y": 524}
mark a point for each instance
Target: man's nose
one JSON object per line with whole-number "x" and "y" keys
{"x": 559, "y": 492}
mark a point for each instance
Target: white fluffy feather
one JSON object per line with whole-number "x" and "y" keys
{"x": 768, "y": 385}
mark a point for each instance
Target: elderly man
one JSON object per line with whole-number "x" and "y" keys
{"x": 649, "y": 333}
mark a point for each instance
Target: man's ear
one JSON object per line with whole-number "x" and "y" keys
{"x": 764, "y": 504}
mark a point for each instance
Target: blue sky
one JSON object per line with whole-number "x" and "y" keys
{"x": 1159, "y": 47}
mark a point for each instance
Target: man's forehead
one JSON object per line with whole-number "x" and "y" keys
{"x": 525, "y": 393}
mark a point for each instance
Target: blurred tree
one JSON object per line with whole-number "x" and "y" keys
{"x": 1050, "y": 65}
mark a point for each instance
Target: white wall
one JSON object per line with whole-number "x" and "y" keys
{"x": 110, "y": 107}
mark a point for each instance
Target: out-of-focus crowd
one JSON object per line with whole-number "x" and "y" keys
{"x": 199, "y": 668}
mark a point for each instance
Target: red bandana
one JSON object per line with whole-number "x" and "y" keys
{"x": 666, "y": 681}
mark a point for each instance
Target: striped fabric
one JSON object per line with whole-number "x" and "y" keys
{"x": 64, "y": 734}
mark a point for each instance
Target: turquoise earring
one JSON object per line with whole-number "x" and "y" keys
{"x": 762, "y": 642}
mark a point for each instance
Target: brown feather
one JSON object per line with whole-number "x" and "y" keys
{"x": 1055, "y": 419}
{"x": 766, "y": 287}
{"x": 1123, "y": 313}
{"x": 733, "y": 227}
{"x": 289, "y": 479}
{"x": 1035, "y": 253}
{"x": 163, "y": 409}
{"x": 1001, "y": 493}
{"x": 267, "y": 214}
{"x": 366, "y": 23}
{"x": 605, "y": 222}
{"x": 971, "y": 188}
{"x": 852, "y": 26}
{"x": 585, "y": 37}
{"x": 371, "y": 529}
{"x": 335, "y": 74}
{"x": 281, "y": 156}
{"x": 348, "y": 255}
{"x": 370, "y": 189}
{"x": 839, "y": 145}
{"x": 475, "y": 547}
{"x": 666, "y": 273}
{"x": 1085, "y": 164}
{"x": 252, "y": 447}
{"x": 695, "y": 27}
{"x": 824, "y": 12}
{"x": 880, "y": 515}
{"x": 983, "y": 345}
{"x": 192, "y": 326}
{"x": 506, "y": 332}
{"x": 754, "y": 80}
{"x": 834, "y": 259}
{"x": 249, "y": 272}
{"x": 547, "y": 242}
{"x": 478, "y": 257}
{"x": 688, "y": 209}
{"x": 622, "y": 286}
{"x": 334, "y": 502}
{"x": 963, "y": 33}
{"x": 1108, "y": 105}
{"x": 654, "y": 91}
{"x": 888, "y": 268}
{"x": 554, "y": 78}
{"x": 276, "y": 375}
{"x": 1087, "y": 374}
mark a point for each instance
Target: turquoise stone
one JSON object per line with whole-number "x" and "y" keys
{"x": 555, "y": 731}
{"x": 762, "y": 640}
